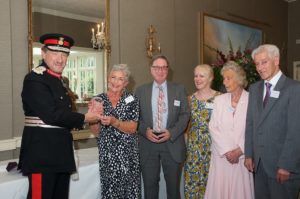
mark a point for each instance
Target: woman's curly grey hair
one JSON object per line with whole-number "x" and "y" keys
{"x": 122, "y": 67}
{"x": 240, "y": 72}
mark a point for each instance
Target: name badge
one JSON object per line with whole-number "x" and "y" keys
{"x": 209, "y": 105}
{"x": 129, "y": 99}
{"x": 176, "y": 103}
{"x": 275, "y": 94}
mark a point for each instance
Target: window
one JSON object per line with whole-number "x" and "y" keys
{"x": 296, "y": 70}
{"x": 85, "y": 71}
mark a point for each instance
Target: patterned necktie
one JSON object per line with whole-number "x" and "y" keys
{"x": 160, "y": 108}
{"x": 268, "y": 93}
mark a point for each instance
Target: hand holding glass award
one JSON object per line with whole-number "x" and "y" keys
{"x": 95, "y": 106}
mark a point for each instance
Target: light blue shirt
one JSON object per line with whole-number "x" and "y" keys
{"x": 154, "y": 101}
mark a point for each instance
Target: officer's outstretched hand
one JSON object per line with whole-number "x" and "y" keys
{"x": 90, "y": 117}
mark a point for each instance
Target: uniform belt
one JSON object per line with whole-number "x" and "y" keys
{"x": 37, "y": 122}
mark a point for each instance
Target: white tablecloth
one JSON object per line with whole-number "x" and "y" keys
{"x": 15, "y": 186}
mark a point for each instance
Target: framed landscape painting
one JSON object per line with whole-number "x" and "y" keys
{"x": 220, "y": 34}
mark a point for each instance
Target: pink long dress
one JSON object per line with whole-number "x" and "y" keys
{"x": 227, "y": 129}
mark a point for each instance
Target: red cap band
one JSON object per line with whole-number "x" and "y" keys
{"x": 56, "y": 42}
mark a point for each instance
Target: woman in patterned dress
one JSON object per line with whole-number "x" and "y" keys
{"x": 117, "y": 139}
{"x": 198, "y": 144}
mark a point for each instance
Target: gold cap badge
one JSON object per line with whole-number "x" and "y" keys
{"x": 61, "y": 41}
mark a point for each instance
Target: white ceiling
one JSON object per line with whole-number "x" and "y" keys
{"x": 89, "y": 8}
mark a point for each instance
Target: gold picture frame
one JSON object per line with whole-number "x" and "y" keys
{"x": 220, "y": 34}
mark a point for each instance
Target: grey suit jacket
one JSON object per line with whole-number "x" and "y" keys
{"x": 178, "y": 117}
{"x": 273, "y": 133}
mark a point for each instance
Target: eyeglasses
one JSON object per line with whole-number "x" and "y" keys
{"x": 162, "y": 68}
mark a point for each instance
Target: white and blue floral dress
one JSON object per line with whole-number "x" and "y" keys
{"x": 118, "y": 152}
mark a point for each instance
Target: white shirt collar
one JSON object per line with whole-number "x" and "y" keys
{"x": 164, "y": 84}
{"x": 275, "y": 79}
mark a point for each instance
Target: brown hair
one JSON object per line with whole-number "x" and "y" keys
{"x": 159, "y": 56}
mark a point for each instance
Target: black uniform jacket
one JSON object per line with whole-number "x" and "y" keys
{"x": 47, "y": 149}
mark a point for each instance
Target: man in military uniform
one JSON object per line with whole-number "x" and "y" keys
{"x": 46, "y": 155}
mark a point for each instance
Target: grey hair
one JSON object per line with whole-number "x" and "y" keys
{"x": 270, "y": 49}
{"x": 239, "y": 71}
{"x": 123, "y": 68}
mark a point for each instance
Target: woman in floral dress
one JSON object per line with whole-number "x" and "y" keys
{"x": 199, "y": 141}
{"x": 117, "y": 139}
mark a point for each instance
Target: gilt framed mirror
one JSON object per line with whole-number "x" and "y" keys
{"x": 87, "y": 65}
{"x": 87, "y": 22}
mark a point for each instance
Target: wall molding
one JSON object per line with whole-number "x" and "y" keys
{"x": 10, "y": 144}
{"x": 82, "y": 134}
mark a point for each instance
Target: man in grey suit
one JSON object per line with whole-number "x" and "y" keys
{"x": 272, "y": 142}
{"x": 162, "y": 146}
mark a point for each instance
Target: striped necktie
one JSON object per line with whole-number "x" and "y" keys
{"x": 160, "y": 108}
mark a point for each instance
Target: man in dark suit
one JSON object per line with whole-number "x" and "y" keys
{"x": 162, "y": 142}
{"x": 272, "y": 142}
{"x": 46, "y": 155}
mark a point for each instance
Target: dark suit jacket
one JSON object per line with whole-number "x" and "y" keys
{"x": 273, "y": 132}
{"x": 178, "y": 117}
{"x": 48, "y": 149}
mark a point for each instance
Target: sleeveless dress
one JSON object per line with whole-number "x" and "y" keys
{"x": 198, "y": 148}
{"x": 118, "y": 152}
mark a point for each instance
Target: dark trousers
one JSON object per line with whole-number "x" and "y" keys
{"x": 48, "y": 186}
{"x": 268, "y": 188}
{"x": 151, "y": 173}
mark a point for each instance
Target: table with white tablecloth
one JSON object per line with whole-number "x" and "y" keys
{"x": 15, "y": 186}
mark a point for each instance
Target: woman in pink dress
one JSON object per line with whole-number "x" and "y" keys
{"x": 228, "y": 178}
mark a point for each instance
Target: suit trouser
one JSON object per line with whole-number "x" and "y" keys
{"x": 158, "y": 157}
{"x": 268, "y": 188}
{"x": 48, "y": 186}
